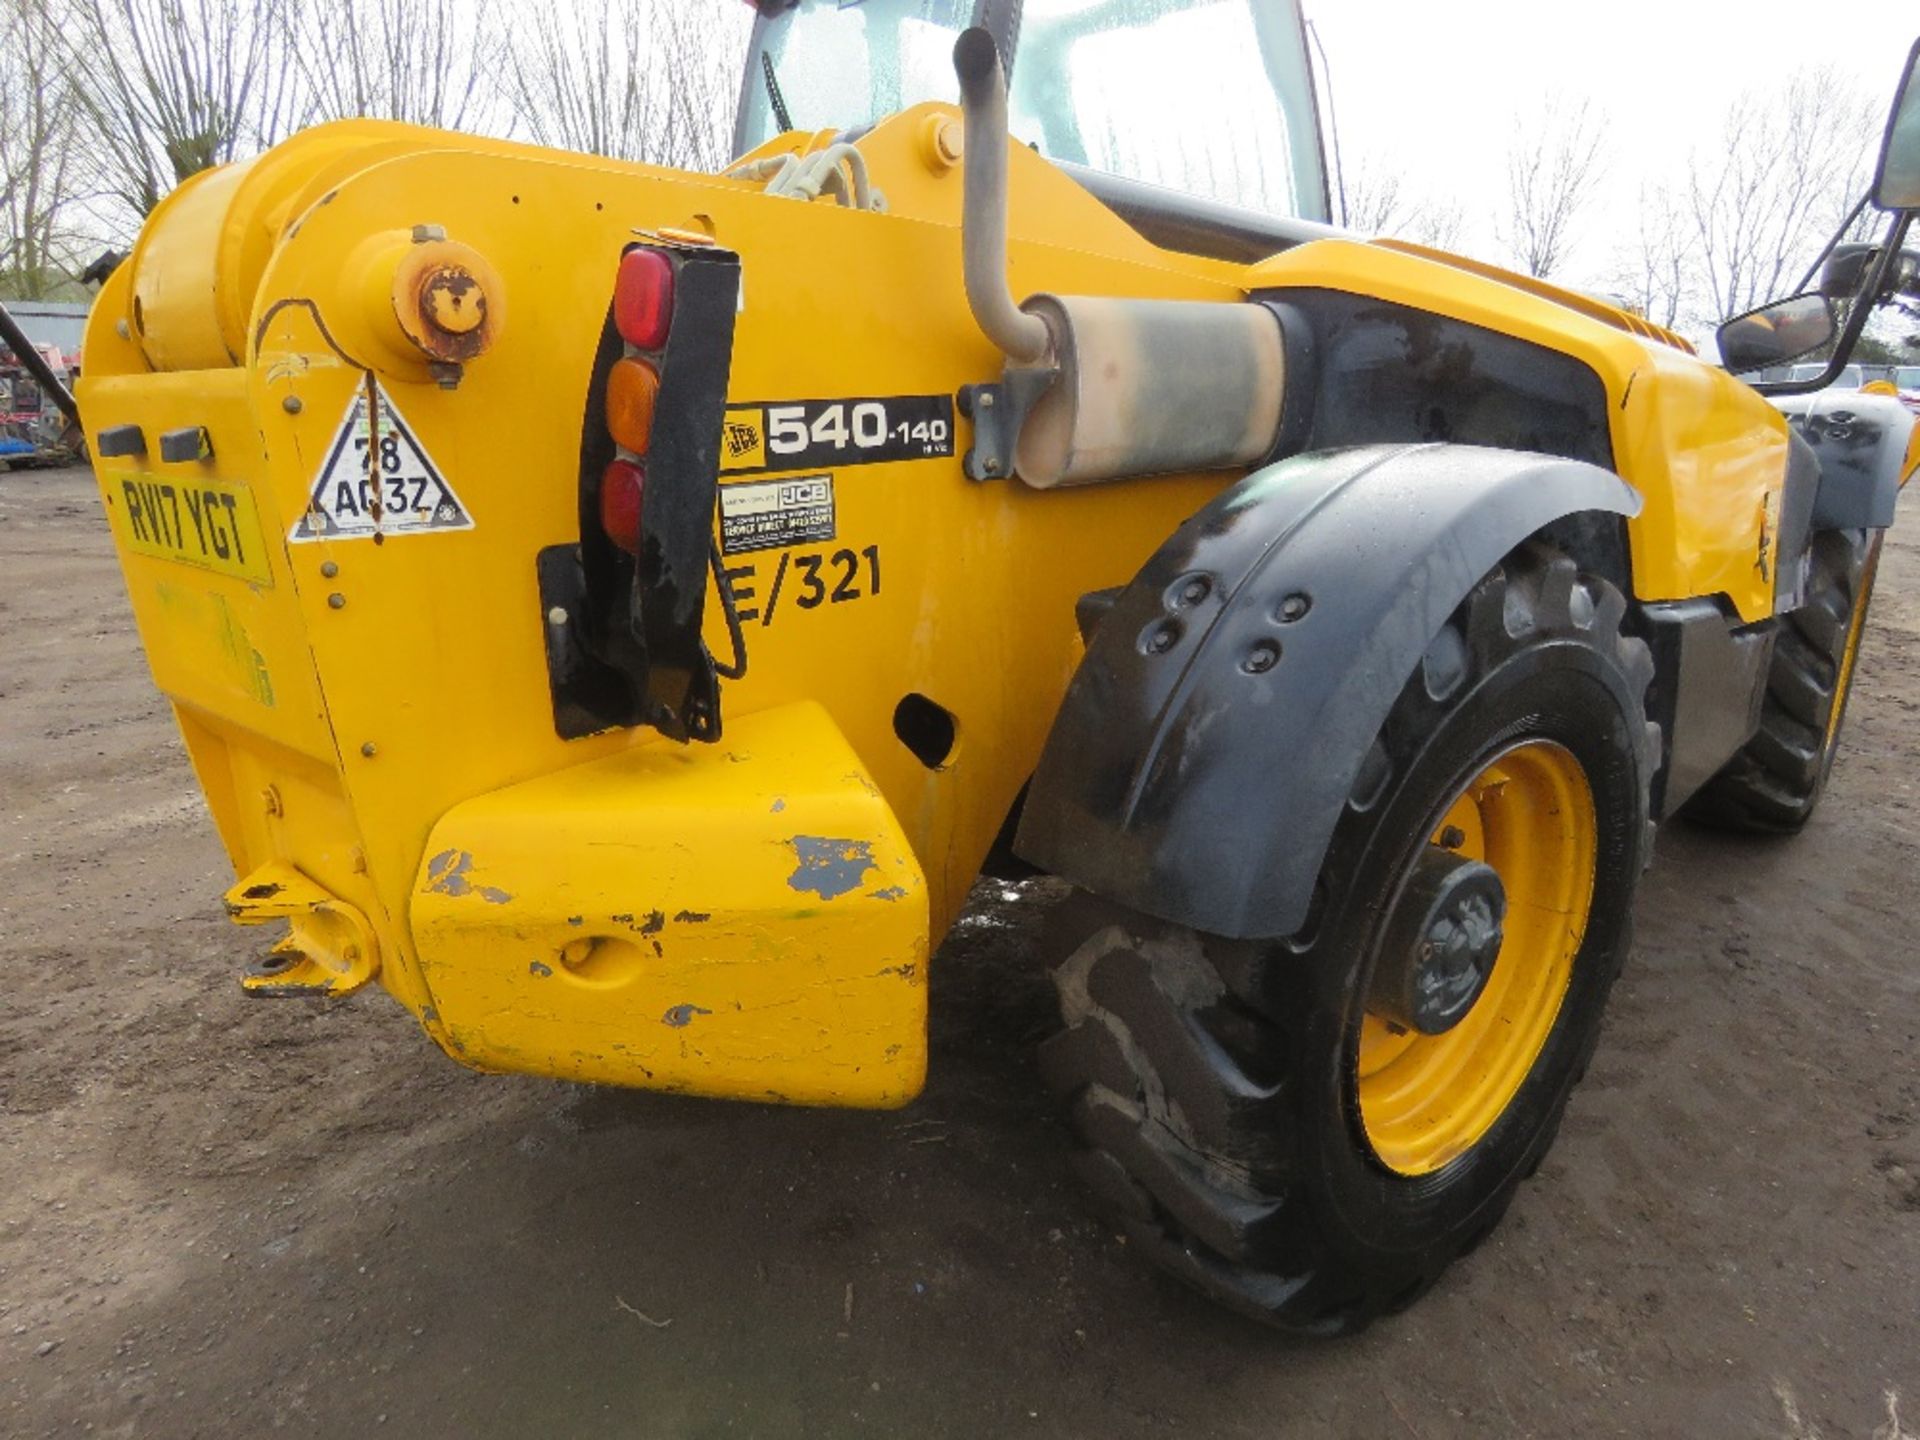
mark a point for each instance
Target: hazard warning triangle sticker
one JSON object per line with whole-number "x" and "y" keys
{"x": 377, "y": 479}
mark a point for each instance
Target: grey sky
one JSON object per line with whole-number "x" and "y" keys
{"x": 1434, "y": 86}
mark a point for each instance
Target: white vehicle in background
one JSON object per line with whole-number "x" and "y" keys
{"x": 1906, "y": 380}
{"x": 1852, "y": 377}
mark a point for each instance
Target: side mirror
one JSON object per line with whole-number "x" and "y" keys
{"x": 1896, "y": 184}
{"x": 1847, "y": 269}
{"x": 1777, "y": 333}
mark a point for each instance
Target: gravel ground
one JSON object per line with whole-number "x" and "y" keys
{"x": 221, "y": 1217}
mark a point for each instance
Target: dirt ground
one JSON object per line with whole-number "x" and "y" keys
{"x": 225, "y": 1217}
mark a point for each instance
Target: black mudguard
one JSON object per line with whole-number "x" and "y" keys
{"x": 1207, "y": 743}
{"x": 1861, "y": 442}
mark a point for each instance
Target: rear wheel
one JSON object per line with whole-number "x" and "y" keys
{"x": 1312, "y": 1129}
{"x": 1774, "y": 784}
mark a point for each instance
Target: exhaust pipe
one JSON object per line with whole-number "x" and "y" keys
{"x": 1104, "y": 388}
{"x": 983, "y": 242}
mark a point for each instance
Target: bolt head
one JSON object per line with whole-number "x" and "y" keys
{"x": 337, "y": 601}
{"x": 1264, "y": 655}
{"x": 1161, "y": 638}
{"x": 369, "y": 749}
{"x": 291, "y": 404}
{"x": 557, "y": 615}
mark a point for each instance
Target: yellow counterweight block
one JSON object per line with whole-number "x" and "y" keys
{"x": 744, "y": 920}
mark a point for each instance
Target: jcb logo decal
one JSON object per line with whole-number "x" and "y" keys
{"x": 743, "y": 440}
{"x": 823, "y": 434}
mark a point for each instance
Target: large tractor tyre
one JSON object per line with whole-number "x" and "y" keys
{"x": 1773, "y": 785}
{"x": 1311, "y": 1130}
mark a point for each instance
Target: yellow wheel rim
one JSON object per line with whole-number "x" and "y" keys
{"x": 1426, "y": 1099}
{"x": 1856, "y": 628}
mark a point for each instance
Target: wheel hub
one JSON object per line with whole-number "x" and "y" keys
{"x": 1439, "y": 947}
{"x": 1498, "y": 970}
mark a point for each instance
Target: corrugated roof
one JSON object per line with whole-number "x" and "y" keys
{"x": 51, "y": 322}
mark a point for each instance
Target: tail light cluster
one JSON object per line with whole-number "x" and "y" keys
{"x": 624, "y": 607}
{"x": 643, "y": 318}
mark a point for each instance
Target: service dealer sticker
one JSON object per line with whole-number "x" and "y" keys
{"x": 772, "y": 514}
{"x": 377, "y": 479}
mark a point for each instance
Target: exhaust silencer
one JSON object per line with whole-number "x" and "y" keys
{"x": 1125, "y": 387}
{"x": 1150, "y": 387}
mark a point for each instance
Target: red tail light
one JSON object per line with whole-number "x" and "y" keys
{"x": 643, "y": 299}
{"x": 622, "y": 486}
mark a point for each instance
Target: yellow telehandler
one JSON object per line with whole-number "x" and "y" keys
{"x": 622, "y": 611}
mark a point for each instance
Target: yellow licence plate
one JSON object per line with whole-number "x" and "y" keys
{"x": 209, "y": 523}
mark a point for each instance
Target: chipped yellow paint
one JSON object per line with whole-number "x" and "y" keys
{"x": 634, "y": 921}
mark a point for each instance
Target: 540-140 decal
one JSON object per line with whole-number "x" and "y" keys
{"x": 830, "y": 434}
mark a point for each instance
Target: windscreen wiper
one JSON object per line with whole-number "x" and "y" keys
{"x": 780, "y": 115}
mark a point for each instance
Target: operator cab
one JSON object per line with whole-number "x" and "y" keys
{"x": 1195, "y": 120}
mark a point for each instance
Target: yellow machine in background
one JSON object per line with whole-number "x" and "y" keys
{"x": 621, "y": 610}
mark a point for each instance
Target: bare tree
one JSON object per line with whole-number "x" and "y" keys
{"x": 1379, "y": 201}
{"x": 1654, "y": 270}
{"x": 1758, "y": 205}
{"x": 650, "y": 80}
{"x": 1437, "y": 223}
{"x": 422, "y": 61}
{"x": 1376, "y": 199}
{"x": 172, "y": 87}
{"x": 1552, "y": 173}
{"x": 38, "y": 238}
